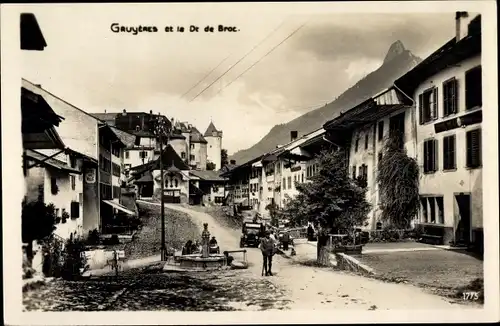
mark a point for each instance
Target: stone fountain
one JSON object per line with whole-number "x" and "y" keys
{"x": 201, "y": 262}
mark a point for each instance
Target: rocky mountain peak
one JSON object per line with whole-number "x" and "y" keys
{"x": 395, "y": 49}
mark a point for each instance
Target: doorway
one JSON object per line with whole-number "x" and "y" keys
{"x": 463, "y": 225}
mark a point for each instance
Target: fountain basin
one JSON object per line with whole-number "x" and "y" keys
{"x": 196, "y": 261}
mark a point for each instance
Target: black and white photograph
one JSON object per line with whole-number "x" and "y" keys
{"x": 224, "y": 163}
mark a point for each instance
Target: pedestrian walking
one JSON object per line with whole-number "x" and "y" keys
{"x": 267, "y": 247}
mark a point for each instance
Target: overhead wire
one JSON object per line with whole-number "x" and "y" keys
{"x": 241, "y": 59}
{"x": 269, "y": 52}
{"x": 205, "y": 77}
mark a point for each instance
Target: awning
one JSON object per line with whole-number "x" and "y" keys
{"x": 300, "y": 152}
{"x": 45, "y": 160}
{"x": 119, "y": 207}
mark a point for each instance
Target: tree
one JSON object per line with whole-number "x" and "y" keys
{"x": 274, "y": 211}
{"x": 398, "y": 178}
{"x": 331, "y": 199}
{"x": 224, "y": 159}
{"x": 38, "y": 221}
{"x": 210, "y": 166}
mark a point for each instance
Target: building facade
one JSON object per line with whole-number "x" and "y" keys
{"x": 58, "y": 180}
{"x": 448, "y": 102}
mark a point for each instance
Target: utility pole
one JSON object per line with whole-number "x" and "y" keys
{"x": 161, "y": 129}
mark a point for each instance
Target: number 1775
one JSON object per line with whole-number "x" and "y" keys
{"x": 472, "y": 296}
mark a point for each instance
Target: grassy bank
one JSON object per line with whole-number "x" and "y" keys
{"x": 442, "y": 272}
{"x": 178, "y": 226}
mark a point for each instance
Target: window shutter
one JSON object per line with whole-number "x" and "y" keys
{"x": 474, "y": 148}
{"x": 434, "y": 107}
{"x": 426, "y": 156}
{"x": 446, "y": 153}
{"x": 446, "y": 98}
{"x": 452, "y": 152}
{"x": 420, "y": 109}
{"x": 454, "y": 101}
{"x": 435, "y": 162}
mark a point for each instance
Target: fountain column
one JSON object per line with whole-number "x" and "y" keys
{"x": 205, "y": 238}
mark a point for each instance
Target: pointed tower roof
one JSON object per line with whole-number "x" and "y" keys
{"x": 210, "y": 130}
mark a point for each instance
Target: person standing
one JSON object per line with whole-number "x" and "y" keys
{"x": 285, "y": 240}
{"x": 267, "y": 248}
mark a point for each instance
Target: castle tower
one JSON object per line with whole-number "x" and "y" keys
{"x": 214, "y": 139}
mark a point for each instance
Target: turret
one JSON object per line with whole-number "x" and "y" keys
{"x": 214, "y": 148}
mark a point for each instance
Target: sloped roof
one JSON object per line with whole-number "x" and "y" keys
{"x": 147, "y": 177}
{"x": 207, "y": 175}
{"x": 125, "y": 137}
{"x": 196, "y": 136}
{"x": 169, "y": 158}
{"x": 52, "y": 162}
{"x": 210, "y": 130}
{"x": 31, "y": 34}
{"x": 107, "y": 117}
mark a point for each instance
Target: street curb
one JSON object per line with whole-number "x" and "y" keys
{"x": 350, "y": 263}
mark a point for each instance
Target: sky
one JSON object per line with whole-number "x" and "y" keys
{"x": 88, "y": 65}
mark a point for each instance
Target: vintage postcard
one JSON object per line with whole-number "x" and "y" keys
{"x": 223, "y": 163}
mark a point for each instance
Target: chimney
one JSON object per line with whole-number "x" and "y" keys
{"x": 461, "y": 28}
{"x": 151, "y": 112}
{"x": 293, "y": 135}
{"x": 104, "y": 111}
{"x": 124, "y": 112}
{"x": 233, "y": 162}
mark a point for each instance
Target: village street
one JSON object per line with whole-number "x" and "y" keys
{"x": 294, "y": 286}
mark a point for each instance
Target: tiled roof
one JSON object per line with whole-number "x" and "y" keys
{"x": 207, "y": 175}
{"x": 210, "y": 130}
{"x": 147, "y": 177}
{"x": 44, "y": 160}
{"x": 196, "y": 136}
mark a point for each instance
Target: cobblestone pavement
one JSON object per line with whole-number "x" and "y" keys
{"x": 154, "y": 289}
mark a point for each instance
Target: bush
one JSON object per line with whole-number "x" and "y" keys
{"x": 93, "y": 238}
{"x": 75, "y": 262}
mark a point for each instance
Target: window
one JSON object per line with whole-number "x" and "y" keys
{"x": 115, "y": 151}
{"x": 191, "y": 146}
{"x": 450, "y": 99}
{"x": 116, "y": 169}
{"x": 289, "y": 182}
{"x": 381, "y": 130}
{"x": 53, "y": 186}
{"x": 473, "y": 88}
{"x": 366, "y": 141}
{"x": 302, "y": 177}
{"x": 354, "y": 171}
{"x": 75, "y": 209}
{"x": 183, "y": 155}
{"x": 127, "y": 155}
{"x": 57, "y": 212}
{"x": 357, "y": 145}
{"x": 363, "y": 172}
{"x": 473, "y": 139}
{"x": 449, "y": 161}
{"x": 427, "y": 102}
{"x": 430, "y": 157}
{"x": 176, "y": 182}
{"x": 73, "y": 182}
{"x": 432, "y": 209}
{"x": 191, "y": 157}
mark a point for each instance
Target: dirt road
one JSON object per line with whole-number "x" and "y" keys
{"x": 318, "y": 288}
